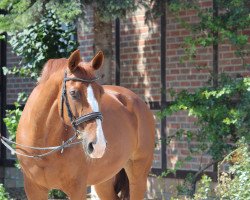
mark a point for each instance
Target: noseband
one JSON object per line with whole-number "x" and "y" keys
{"x": 64, "y": 98}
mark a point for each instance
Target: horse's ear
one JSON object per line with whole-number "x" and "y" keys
{"x": 74, "y": 60}
{"x": 97, "y": 61}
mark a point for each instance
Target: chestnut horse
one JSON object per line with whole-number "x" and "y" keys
{"x": 108, "y": 129}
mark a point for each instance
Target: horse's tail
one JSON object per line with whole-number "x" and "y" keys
{"x": 122, "y": 185}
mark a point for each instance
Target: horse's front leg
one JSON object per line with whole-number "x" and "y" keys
{"x": 34, "y": 191}
{"x": 76, "y": 190}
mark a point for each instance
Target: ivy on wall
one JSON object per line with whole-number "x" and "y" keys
{"x": 224, "y": 22}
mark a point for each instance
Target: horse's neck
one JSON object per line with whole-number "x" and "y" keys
{"x": 41, "y": 119}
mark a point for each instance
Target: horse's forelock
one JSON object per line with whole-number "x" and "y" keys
{"x": 86, "y": 70}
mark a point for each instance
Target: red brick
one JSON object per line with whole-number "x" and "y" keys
{"x": 171, "y": 52}
{"x": 191, "y": 12}
{"x": 173, "y": 46}
{"x": 236, "y": 61}
{"x": 246, "y": 32}
{"x": 207, "y": 4}
{"x": 228, "y": 55}
{"x": 174, "y": 71}
{"x": 185, "y": 84}
{"x": 195, "y": 83}
{"x": 185, "y": 71}
{"x": 170, "y": 78}
{"x": 185, "y": 32}
{"x": 174, "y": 33}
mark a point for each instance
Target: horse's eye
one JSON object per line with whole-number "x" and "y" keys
{"x": 74, "y": 94}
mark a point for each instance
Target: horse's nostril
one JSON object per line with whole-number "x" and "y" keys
{"x": 90, "y": 148}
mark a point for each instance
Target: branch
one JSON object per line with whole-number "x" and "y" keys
{"x": 193, "y": 184}
{"x": 205, "y": 167}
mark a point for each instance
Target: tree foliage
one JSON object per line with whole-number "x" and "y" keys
{"x": 22, "y": 13}
{"x": 46, "y": 39}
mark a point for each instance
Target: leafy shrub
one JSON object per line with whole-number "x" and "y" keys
{"x": 203, "y": 188}
{"x": 3, "y": 194}
{"x": 235, "y": 184}
{"x": 12, "y": 117}
{"x": 57, "y": 194}
{"x": 11, "y": 120}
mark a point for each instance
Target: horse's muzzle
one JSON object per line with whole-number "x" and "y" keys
{"x": 96, "y": 150}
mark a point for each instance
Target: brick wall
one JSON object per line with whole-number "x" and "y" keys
{"x": 140, "y": 69}
{"x": 186, "y": 76}
{"x": 140, "y": 56}
{"x": 16, "y": 84}
{"x": 85, "y": 36}
{"x": 86, "y": 43}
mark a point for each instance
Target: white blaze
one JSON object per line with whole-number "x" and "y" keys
{"x": 100, "y": 145}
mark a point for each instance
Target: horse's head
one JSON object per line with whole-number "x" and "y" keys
{"x": 80, "y": 102}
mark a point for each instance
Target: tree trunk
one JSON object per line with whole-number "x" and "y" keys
{"x": 103, "y": 42}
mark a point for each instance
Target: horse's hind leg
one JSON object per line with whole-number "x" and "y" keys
{"x": 34, "y": 191}
{"x": 137, "y": 172}
{"x": 106, "y": 191}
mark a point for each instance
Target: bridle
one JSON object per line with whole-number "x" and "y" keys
{"x": 75, "y": 122}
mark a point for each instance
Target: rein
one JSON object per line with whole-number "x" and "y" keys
{"x": 6, "y": 142}
{"x": 75, "y": 122}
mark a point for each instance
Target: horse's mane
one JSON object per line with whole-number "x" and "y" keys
{"x": 52, "y": 66}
